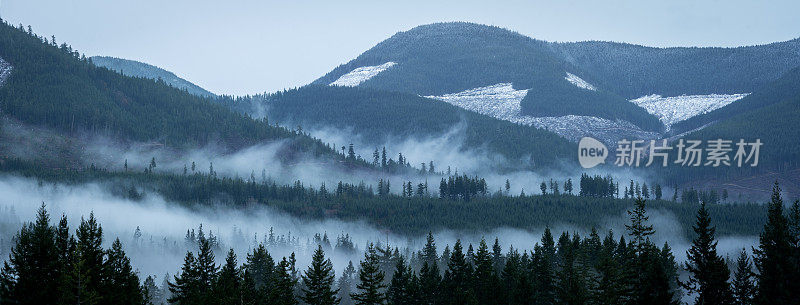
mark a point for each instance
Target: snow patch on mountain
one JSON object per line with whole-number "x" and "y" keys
{"x": 673, "y": 109}
{"x": 579, "y": 82}
{"x": 5, "y": 71}
{"x": 360, "y": 75}
{"x": 502, "y": 101}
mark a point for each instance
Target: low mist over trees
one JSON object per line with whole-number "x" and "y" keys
{"x": 51, "y": 265}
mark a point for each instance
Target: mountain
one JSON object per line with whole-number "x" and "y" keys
{"x": 448, "y": 58}
{"x": 768, "y": 115}
{"x": 633, "y": 71}
{"x": 780, "y": 90}
{"x": 139, "y": 69}
{"x": 54, "y": 88}
{"x": 632, "y": 91}
{"x": 379, "y": 116}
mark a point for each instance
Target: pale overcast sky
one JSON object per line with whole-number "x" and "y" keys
{"x": 241, "y": 47}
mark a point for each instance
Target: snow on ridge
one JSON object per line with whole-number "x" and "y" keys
{"x": 502, "y": 101}
{"x": 673, "y": 109}
{"x": 5, "y": 71}
{"x": 579, "y": 82}
{"x": 361, "y": 74}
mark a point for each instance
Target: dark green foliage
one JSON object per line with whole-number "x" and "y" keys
{"x": 775, "y": 271}
{"x": 47, "y": 265}
{"x": 228, "y": 286}
{"x": 402, "y": 288}
{"x": 457, "y": 278}
{"x": 708, "y": 271}
{"x": 121, "y": 284}
{"x": 589, "y": 270}
{"x": 318, "y": 281}
{"x": 429, "y": 213}
{"x": 370, "y": 286}
{"x": 743, "y": 284}
{"x": 31, "y": 273}
{"x": 52, "y": 86}
{"x": 597, "y": 186}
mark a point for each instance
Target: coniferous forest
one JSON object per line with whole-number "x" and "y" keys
{"x": 51, "y": 264}
{"x": 442, "y": 166}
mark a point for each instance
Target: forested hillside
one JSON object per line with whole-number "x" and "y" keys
{"x": 444, "y": 58}
{"x": 769, "y": 115}
{"x": 783, "y": 89}
{"x": 633, "y": 71}
{"x": 53, "y": 86}
{"x": 378, "y": 116}
{"x": 140, "y": 69}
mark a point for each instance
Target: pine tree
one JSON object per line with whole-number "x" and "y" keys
{"x": 282, "y": 292}
{"x": 743, "y": 284}
{"x": 346, "y": 283}
{"x": 400, "y": 289}
{"x": 121, "y": 284}
{"x": 772, "y": 257}
{"x": 608, "y": 288}
{"x": 457, "y": 278}
{"x": 228, "y": 285}
{"x": 31, "y": 276}
{"x": 89, "y": 268}
{"x": 639, "y": 229}
{"x": 486, "y": 281}
{"x": 708, "y": 272}
{"x": 318, "y": 281}
{"x": 370, "y": 286}
{"x": 259, "y": 270}
{"x": 184, "y": 289}
{"x": 430, "y": 283}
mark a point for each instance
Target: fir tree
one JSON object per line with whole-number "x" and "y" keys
{"x": 318, "y": 281}
{"x": 708, "y": 272}
{"x": 282, "y": 292}
{"x": 744, "y": 288}
{"x": 370, "y": 286}
{"x": 775, "y": 270}
{"x": 228, "y": 285}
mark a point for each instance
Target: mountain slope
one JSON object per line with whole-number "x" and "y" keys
{"x": 52, "y": 87}
{"x": 139, "y": 69}
{"x": 379, "y": 116}
{"x": 447, "y": 58}
{"x": 633, "y": 71}
{"x": 785, "y": 88}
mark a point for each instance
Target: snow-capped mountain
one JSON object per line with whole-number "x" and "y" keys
{"x": 360, "y": 75}
{"x": 502, "y": 101}
{"x": 673, "y": 109}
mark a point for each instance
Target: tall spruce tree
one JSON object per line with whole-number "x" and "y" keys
{"x": 282, "y": 292}
{"x": 772, "y": 257}
{"x": 31, "y": 277}
{"x": 708, "y": 271}
{"x": 121, "y": 283}
{"x": 400, "y": 290}
{"x": 744, "y": 288}
{"x": 485, "y": 280}
{"x": 228, "y": 285}
{"x": 318, "y": 281}
{"x": 370, "y": 286}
